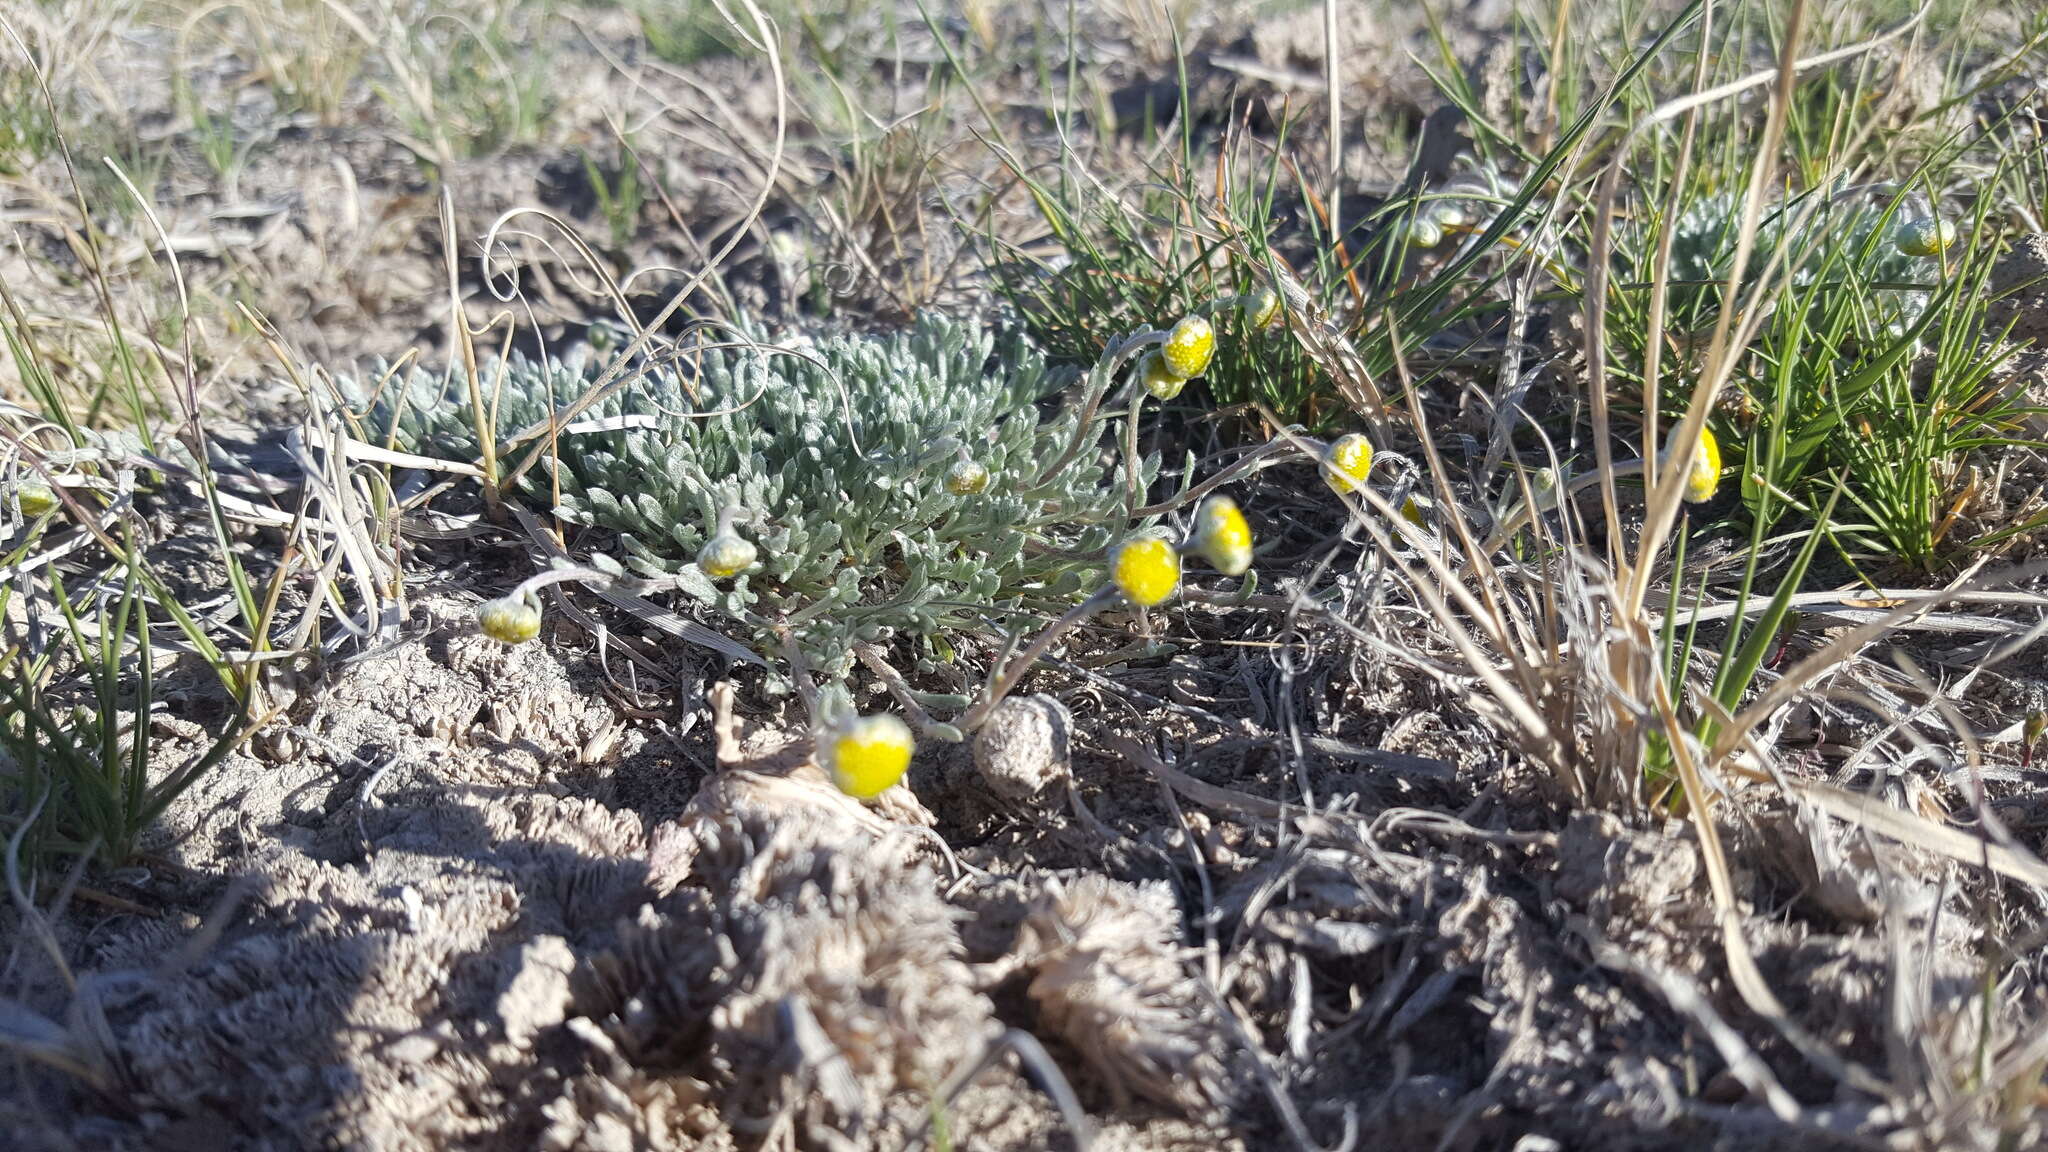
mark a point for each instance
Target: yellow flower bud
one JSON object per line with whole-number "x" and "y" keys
{"x": 1451, "y": 214}
{"x": 1222, "y": 536}
{"x": 1423, "y": 232}
{"x": 1924, "y": 236}
{"x": 35, "y": 498}
{"x": 1262, "y": 307}
{"x": 1189, "y": 347}
{"x": 867, "y": 756}
{"x": 1346, "y": 462}
{"x": 1412, "y": 513}
{"x": 966, "y": 478}
{"x": 1160, "y": 382}
{"x": 510, "y": 619}
{"x": 725, "y": 555}
{"x": 1146, "y": 570}
{"x": 1705, "y": 475}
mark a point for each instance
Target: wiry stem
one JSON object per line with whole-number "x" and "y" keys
{"x": 1099, "y": 378}
{"x": 899, "y": 688}
{"x": 1131, "y": 468}
{"x": 1013, "y": 671}
{"x": 1261, "y": 457}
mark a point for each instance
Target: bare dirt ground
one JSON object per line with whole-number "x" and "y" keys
{"x": 454, "y": 894}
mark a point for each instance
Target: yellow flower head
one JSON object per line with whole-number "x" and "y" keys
{"x": 1346, "y": 462}
{"x": 1222, "y": 536}
{"x": 867, "y": 756}
{"x": 1160, "y": 382}
{"x": 510, "y": 619}
{"x": 1262, "y": 307}
{"x": 35, "y": 498}
{"x": 725, "y": 555}
{"x": 966, "y": 478}
{"x": 1705, "y": 475}
{"x": 1146, "y": 570}
{"x": 1924, "y": 236}
{"x": 1189, "y": 347}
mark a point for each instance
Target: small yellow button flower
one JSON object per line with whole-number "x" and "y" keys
{"x": 1262, "y": 307}
{"x": 35, "y": 498}
{"x": 1158, "y": 380}
{"x": 1145, "y": 570}
{"x": 869, "y": 755}
{"x": 510, "y": 619}
{"x": 1705, "y": 475}
{"x": 1222, "y": 536}
{"x": 1189, "y": 347}
{"x": 1924, "y": 236}
{"x": 966, "y": 478}
{"x": 725, "y": 555}
{"x": 1346, "y": 462}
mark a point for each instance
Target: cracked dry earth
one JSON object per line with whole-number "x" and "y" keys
{"x": 459, "y": 902}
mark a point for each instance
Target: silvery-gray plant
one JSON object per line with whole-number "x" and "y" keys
{"x": 1850, "y": 235}
{"x": 864, "y": 488}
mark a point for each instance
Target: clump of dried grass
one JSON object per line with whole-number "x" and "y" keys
{"x": 805, "y": 979}
{"x": 1563, "y": 648}
{"x": 1107, "y": 977}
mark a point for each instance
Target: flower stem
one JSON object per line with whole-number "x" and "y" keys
{"x": 1013, "y": 671}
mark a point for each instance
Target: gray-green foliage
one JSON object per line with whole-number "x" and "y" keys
{"x": 835, "y": 456}
{"x": 1850, "y": 240}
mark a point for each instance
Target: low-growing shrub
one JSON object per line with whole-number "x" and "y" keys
{"x": 900, "y": 485}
